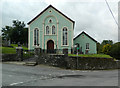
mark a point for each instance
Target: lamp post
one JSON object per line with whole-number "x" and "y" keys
{"x": 77, "y": 55}
{"x": 56, "y": 46}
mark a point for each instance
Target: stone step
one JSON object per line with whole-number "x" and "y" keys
{"x": 30, "y": 63}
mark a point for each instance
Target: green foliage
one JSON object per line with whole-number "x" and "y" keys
{"x": 6, "y": 33}
{"x": 9, "y": 50}
{"x": 115, "y": 50}
{"x": 106, "y": 48}
{"x": 101, "y": 46}
{"x": 91, "y": 55}
{"x": 107, "y": 42}
{"x": 15, "y": 45}
{"x": 16, "y": 33}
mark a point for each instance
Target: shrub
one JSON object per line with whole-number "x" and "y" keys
{"x": 115, "y": 51}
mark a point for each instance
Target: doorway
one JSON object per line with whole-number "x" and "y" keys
{"x": 50, "y": 46}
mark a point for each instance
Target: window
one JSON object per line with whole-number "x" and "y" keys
{"x": 64, "y": 36}
{"x": 77, "y": 44}
{"x": 50, "y": 21}
{"x": 50, "y": 11}
{"x": 53, "y": 29}
{"x": 47, "y": 29}
{"x": 87, "y": 45}
{"x": 36, "y": 36}
{"x": 82, "y": 36}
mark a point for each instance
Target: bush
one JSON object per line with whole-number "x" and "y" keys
{"x": 106, "y": 48}
{"x": 115, "y": 51}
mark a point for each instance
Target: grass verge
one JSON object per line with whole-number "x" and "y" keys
{"x": 10, "y": 50}
{"x": 92, "y": 55}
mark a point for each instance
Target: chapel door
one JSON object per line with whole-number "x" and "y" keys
{"x": 50, "y": 46}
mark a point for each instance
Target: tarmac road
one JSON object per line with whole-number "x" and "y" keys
{"x": 19, "y": 75}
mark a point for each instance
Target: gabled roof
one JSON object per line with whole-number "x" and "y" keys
{"x": 54, "y": 9}
{"x": 86, "y": 35}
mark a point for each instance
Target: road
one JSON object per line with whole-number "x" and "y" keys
{"x": 19, "y": 75}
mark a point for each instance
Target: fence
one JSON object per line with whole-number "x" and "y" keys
{"x": 54, "y": 51}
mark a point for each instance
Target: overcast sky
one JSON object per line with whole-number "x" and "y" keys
{"x": 91, "y": 16}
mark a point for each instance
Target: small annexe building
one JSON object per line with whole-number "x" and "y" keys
{"x": 85, "y": 44}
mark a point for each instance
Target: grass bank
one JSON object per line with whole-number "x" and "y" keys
{"x": 92, "y": 55}
{"x": 11, "y": 50}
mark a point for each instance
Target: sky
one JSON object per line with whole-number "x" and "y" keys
{"x": 91, "y": 16}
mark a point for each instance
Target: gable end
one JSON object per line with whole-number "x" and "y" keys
{"x": 56, "y": 10}
{"x": 85, "y": 34}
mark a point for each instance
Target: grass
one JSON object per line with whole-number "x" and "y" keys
{"x": 9, "y": 50}
{"x": 92, "y": 55}
{"x": 15, "y": 45}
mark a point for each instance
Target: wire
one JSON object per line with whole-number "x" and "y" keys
{"x": 111, "y": 12}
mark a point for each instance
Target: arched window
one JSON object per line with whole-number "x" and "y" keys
{"x": 47, "y": 29}
{"x": 53, "y": 29}
{"x": 64, "y": 36}
{"x": 36, "y": 36}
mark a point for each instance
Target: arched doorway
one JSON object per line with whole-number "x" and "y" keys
{"x": 50, "y": 46}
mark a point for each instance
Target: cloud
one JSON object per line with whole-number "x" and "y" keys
{"x": 92, "y": 17}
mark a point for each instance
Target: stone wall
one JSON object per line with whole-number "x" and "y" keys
{"x": 90, "y": 63}
{"x": 52, "y": 60}
{"x": 9, "y": 57}
{"x": 82, "y": 63}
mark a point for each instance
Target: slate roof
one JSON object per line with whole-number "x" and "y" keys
{"x": 54, "y": 9}
{"x": 86, "y": 35}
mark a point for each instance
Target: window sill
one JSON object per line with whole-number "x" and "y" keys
{"x": 50, "y": 34}
{"x": 36, "y": 46}
{"x": 65, "y": 45}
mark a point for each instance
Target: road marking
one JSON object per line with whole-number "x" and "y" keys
{"x": 16, "y": 83}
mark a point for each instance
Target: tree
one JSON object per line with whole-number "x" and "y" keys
{"x": 100, "y": 46}
{"x": 107, "y": 42}
{"x": 16, "y": 33}
{"x": 6, "y": 33}
{"x": 115, "y": 50}
{"x": 99, "y": 49}
{"x": 106, "y": 48}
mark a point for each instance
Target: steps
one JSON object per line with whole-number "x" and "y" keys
{"x": 30, "y": 63}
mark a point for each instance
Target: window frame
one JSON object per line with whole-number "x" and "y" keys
{"x": 87, "y": 46}
{"x": 36, "y": 37}
{"x": 65, "y": 40}
{"x": 54, "y": 30}
{"x": 47, "y": 32}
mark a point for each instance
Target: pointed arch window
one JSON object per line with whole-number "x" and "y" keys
{"x": 64, "y": 36}
{"x": 47, "y": 29}
{"x": 36, "y": 37}
{"x": 53, "y": 29}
